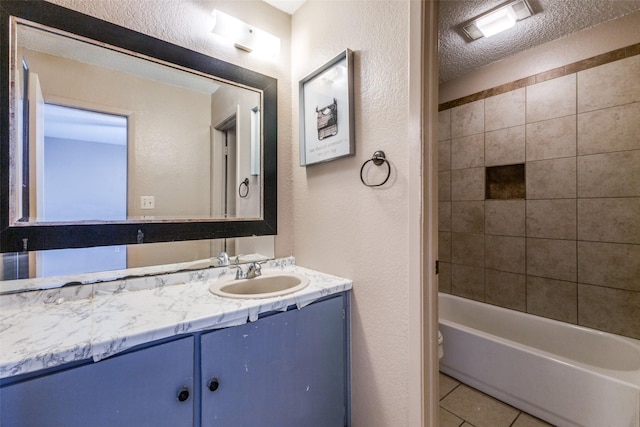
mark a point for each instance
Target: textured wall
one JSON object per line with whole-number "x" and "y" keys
{"x": 345, "y": 228}
{"x": 569, "y": 250}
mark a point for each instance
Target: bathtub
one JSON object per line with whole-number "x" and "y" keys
{"x": 564, "y": 374}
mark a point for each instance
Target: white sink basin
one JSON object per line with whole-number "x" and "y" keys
{"x": 267, "y": 285}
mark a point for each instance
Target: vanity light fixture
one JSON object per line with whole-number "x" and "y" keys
{"x": 244, "y": 36}
{"x": 497, "y": 19}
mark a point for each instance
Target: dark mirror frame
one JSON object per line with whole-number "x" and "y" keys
{"x": 42, "y": 237}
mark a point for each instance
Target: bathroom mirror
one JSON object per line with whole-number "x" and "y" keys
{"x": 112, "y": 137}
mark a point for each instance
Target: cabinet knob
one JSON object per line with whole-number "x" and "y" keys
{"x": 183, "y": 394}
{"x": 214, "y": 384}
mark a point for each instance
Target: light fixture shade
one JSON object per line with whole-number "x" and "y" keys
{"x": 244, "y": 36}
{"x": 496, "y": 20}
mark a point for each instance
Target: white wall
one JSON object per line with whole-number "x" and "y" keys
{"x": 345, "y": 228}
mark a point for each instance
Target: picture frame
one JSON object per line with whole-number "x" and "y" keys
{"x": 326, "y": 112}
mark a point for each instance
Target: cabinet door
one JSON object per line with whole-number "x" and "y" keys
{"x": 135, "y": 389}
{"x": 285, "y": 370}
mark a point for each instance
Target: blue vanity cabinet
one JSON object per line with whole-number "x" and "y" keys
{"x": 284, "y": 370}
{"x": 148, "y": 387}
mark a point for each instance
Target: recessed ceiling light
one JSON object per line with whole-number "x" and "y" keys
{"x": 497, "y": 19}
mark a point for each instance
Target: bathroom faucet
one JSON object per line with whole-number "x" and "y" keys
{"x": 254, "y": 270}
{"x": 223, "y": 258}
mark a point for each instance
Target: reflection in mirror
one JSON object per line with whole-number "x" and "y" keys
{"x": 114, "y": 136}
{"x": 28, "y": 271}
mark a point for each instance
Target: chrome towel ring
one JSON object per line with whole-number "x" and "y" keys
{"x": 378, "y": 159}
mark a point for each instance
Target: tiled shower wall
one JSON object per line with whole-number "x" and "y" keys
{"x": 570, "y": 250}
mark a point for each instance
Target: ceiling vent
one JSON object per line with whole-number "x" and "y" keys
{"x": 496, "y": 20}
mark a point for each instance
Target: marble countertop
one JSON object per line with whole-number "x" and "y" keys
{"x": 48, "y": 328}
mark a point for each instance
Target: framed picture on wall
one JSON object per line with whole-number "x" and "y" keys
{"x": 326, "y": 112}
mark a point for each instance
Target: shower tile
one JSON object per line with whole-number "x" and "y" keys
{"x": 479, "y": 409}
{"x": 506, "y": 289}
{"x": 506, "y": 253}
{"x": 551, "y": 99}
{"x": 444, "y": 186}
{"x": 554, "y": 299}
{"x": 467, "y": 184}
{"x": 467, "y": 249}
{"x": 505, "y": 146}
{"x": 551, "y": 139}
{"x": 444, "y": 155}
{"x": 467, "y": 152}
{"x": 609, "y": 220}
{"x": 504, "y": 110}
{"x": 444, "y": 216}
{"x": 609, "y": 264}
{"x": 612, "y": 129}
{"x": 444, "y": 246}
{"x": 467, "y": 282}
{"x": 447, "y": 419}
{"x": 526, "y": 420}
{"x": 551, "y": 179}
{"x": 611, "y": 310}
{"x": 467, "y": 217}
{"x": 505, "y": 217}
{"x": 611, "y": 84}
{"x": 554, "y": 259}
{"x": 444, "y": 125}
{"x": 444, "y": 277}
{"x": 609, "y": 175}
{"x": 467, "y": 119}
{"x": 552, "y": 218}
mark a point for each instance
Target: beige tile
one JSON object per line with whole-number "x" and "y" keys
{"x": 467, "y": 217}
{"x": 505, "y": 253}
{"x": 467, "y": 282}
{"x": 611, "y": 84}
{"x": 611, "y": 310}
{"x": 554, "y": 259}
{"x": 554, "y": 299}
{"x": 444, "y": 277}
{"x": 467, "y": 184}
{"x": 551, "y": 99}
{"x": 467, "y": 119}
{"x": 467, "y": 249}
{"x": 504, "y": 110}
{"x": 609, "y": 220}
{"x": 526, "y": 420}
{"x": 612, "y": 129}
{"x": 505, "y": 217}
{"x": 551, "y": 179}
{"x": 444, "y": 186}
{"x": 506, "y": 289}
{"x": 551, "y": 139}
{"x": 444, "y": 216}
{"x": 467, "y": 152}
{"x": 444, "y": 246}
{"x": 444, "y": 125}
{"x": 447, "y": 384}
{"x": 479, "y": 409}
{"x": 552, "y": 218}
{"x": 609, "y": 175}
{"x": 444, "y": 155}
{"x": 447, "y": 419}
{"x": 505, "y": 146}
{"x": 609, "y": 264}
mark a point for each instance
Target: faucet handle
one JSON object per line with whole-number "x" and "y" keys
{"x": 223, "y": 258}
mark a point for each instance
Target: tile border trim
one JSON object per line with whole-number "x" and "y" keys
{"x": 594, "y": 61}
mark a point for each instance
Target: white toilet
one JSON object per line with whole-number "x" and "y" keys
{"x": 440, "y": 350}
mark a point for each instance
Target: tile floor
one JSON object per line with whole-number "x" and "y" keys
{"x": 463, "y": 406}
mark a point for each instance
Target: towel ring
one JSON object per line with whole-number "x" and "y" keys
{"x": 378, "y": 158}
{"x": 246, "y": 192}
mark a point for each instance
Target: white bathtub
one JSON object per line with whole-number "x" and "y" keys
{"x": 564, "y": 374}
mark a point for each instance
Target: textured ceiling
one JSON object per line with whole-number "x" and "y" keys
{"x": 553, "y": 19}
